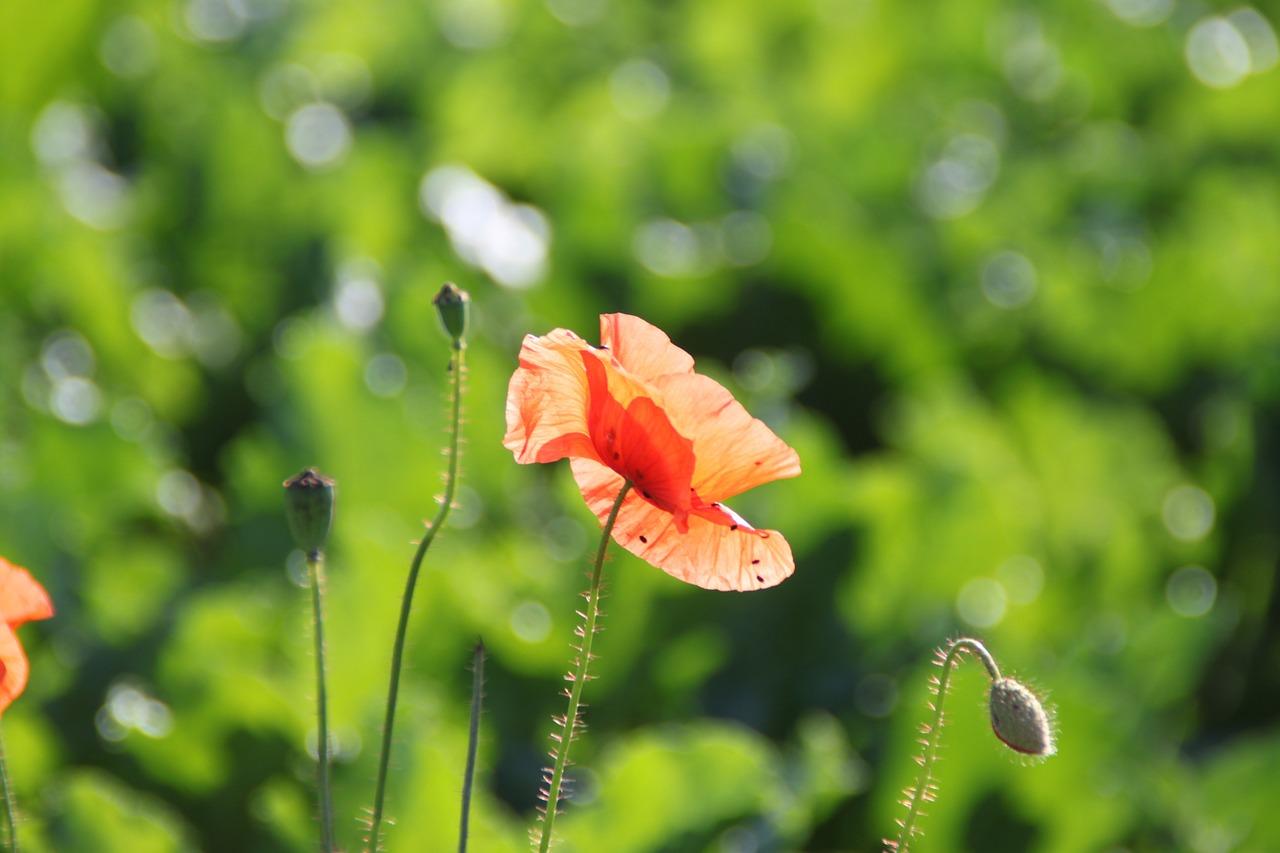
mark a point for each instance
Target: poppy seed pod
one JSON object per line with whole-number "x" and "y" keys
{"x": 308, "y": 503}
{"x": 1019, "y": 719}
{"x": 454, "y": 306}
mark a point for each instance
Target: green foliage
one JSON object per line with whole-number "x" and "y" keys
{"x": 1006, "y": 275}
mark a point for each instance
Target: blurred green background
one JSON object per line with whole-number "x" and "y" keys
{"x": 1007, "y": 275}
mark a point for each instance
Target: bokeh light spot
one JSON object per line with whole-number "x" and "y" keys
{"x": 1141, "y": 13}
{"x": 1264, "y": 51}
{"x": 956, "y": 182}
{"x": 670, "y": 249}
{"x": 215, "y": 21}
{"x": 531, "y": 621}
{"x": 63, "y": 133}
{"x": 508, "y": 241}
{"x": 639, "y": 89}
{"x": 318, "y": 135}
{"x": 163, "y": 322}
{"x": 386, "y": 375}
{"x": 357, "y": 298}
{"x": 981, "y": 603}
{"x": 1022, "y": 578}
{"x": 75, "y": 400}
{"x": 1191, "y": 591}
{"x": 178, "y": 493}
{"x": 1217, "y": 53}
{"x": 473, "y": 24}
{"x": 129, "y": 708}
{"x": 128, "y": 48}
{"x": 1008, "y": 280}
{"x": 577, "y": 13}
{"x": 66, "y": 354}
{"x": 1188, "y": 513}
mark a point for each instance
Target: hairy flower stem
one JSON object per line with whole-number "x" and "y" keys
{"x": 456, "y": 369}
{"x": 473, "y": 741}
{"x": 578, "y": 677}
{"x": 11, "y": 826}
{"x": 315, "y": 566}
{"x": 923, "y": 791}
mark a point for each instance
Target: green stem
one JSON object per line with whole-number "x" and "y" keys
{"x": 924, "y": 790}
{"x": 473, "y": 741}
{"x": 11, "y": 826}
{"x": 578, "y": 677}
{"x": 406, "y": 604}
{"x": 315, "y": 564}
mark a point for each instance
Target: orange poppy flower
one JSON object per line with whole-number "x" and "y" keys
{"x": 633, "y": 409}
{"x": 22, "y": 599}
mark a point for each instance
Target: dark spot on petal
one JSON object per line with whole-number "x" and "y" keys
{"x": 759, "y": 462}
{"x": 733, "y": 527}
{"x": 644, "y": 494}
{"x": 764, "y": 534}
{"x": 760, "y": 579}
{"x": 644, "y": 539}
{"x": 617, "y": 455}
{"x": 755, "y": 562}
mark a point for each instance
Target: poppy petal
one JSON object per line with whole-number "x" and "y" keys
{"x": 547, "y": 400}
{"x": 734, "y": 451}
{"x": 633, "y": 436}
{"x": 22, "y": 598}
{"x": 642, "y": 349}
{"x": 714, "y": 554}
{"x": 13, "y": 664}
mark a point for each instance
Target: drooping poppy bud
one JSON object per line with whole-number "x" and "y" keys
{"x": 1019, "y": 719}
{"x": 308, "y": 503}
{"x": 454, "y": 306}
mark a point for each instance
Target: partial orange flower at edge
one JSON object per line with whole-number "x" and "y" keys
{"x": 633, "y": 409}
{"x": 22, "y": 599}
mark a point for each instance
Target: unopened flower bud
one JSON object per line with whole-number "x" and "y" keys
{"x": 308, "y": 503}
{"x": 1019, "y": 719}
{"x": 454, "y": 305}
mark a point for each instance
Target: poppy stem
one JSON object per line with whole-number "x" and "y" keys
{"x": 925, "y": 790}
{"x": 315, "y": 566}
{"x": 578, "y": 678}
{"x": 11, "y": 827}
{"x": 473, "y": 741}
{"x": 456, "y": 369}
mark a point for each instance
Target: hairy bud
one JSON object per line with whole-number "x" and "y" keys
{"x": 1019, "y": 719}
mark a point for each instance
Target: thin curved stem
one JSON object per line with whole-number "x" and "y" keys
{"x": 315, "y": 565}
{"x": 579, "y": 676}
{"x": 456, "y": 367}
{"x": 924, "y": 790}
{"x": 11, "y": 825}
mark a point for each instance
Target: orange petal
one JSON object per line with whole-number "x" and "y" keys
{"x": 22, "y": 598}
{"x": 14, "y": 665}
{"x": 638, "y": 441}
{"x": 734, "y": 451}
{"x": 547, "y": 400}
{"x": 642, "y": 349}
{"x": 711, "y": 554}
